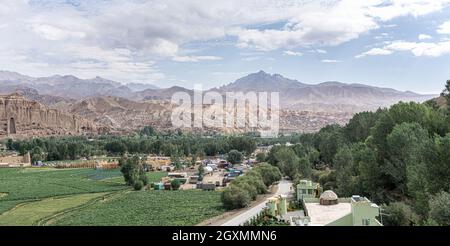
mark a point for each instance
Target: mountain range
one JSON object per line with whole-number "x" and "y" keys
{"x": 306, "y": 107}
{"x": 68, "y": 87}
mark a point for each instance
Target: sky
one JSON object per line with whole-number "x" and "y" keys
{"x": 401, "y": 44}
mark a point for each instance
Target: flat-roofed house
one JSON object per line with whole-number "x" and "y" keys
{"x": 354, "y": 211}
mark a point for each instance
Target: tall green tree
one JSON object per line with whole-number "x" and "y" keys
{"x": 399, "y": 214}
{"x": 446, "y": 92}
{"x": 358, "y": 128}
{"x": 37, "y": 154}
{"x": 234, "y": 157}
{"x": 304, "y": 167}
{"x": 370, "y": 173}
{"x": 133, "y": 172}
{"x": 328, "y": 141}
{"x": 269, "y": 173}
{"x": 405, "y": 145}
{"x": 440, "y": 208}
{"x": 343, "y": 163}
{"x": 287, "y": 161}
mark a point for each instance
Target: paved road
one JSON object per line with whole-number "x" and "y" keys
{"x": 284, "y": 188}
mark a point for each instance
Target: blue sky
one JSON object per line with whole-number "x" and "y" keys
{"x": 403, "y": 44}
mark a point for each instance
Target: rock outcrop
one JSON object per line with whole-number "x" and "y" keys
{"x": 20, "y": 117}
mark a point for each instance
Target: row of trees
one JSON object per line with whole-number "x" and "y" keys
{"x": 175, "y": 145}
{"x": 245, "y": 188}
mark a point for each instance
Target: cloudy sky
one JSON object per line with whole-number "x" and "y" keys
{"x": 404, "y": 44}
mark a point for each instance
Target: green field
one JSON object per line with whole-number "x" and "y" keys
{"x": 31, "y": 213}
{"x": 156, "y": 208}
{"x": 152, "y": 177}
{"x": 96, "y": 197}
{"x": 28, "y": 184}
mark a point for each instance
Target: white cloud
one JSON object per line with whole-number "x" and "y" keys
{"x": 375, "y": 52}
{"x": 424, "y": 37}
{"x": 54, "y": 33}
{"x": 330, "y": 23}
{"x": 120, "y": 37}
{"x": 292, "y": 53}
{"x": 422, "y": 49}
{"x": 417, "y": 49}
{"x": 444, "y": 28}
{"x": 319, "y": 51}
{"x": 251, "y": 58}
{"x": 388, "y": 10}
{"x": 314, "y": 25}
{"x": 331, "y": 61}
{"x": 195, "y": 58}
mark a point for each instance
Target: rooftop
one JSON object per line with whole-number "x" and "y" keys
{"x": 321, "y": 215}
{"x": 329, "y": 195}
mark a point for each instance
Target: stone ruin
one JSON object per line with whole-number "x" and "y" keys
{"x": 22, "y": 118}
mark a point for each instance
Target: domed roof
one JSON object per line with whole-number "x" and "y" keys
{"x": 329, "y": 195}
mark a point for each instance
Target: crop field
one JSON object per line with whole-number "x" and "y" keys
{"x": 155, "y": 208}
{"x": 28, "y": 184}
{"x": 7, "y": 205}
{"x": 30, "y": 213}
{"x": 152, "y": 177}
{"x": 47, "y": 196}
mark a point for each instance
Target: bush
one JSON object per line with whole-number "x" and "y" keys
{"x": 270, "y": 174}
{"x": 175, "y": 184}
{"x": 133, "y": 171}
{"x": 243, "y": 184}
{"x": 138, "y": 185}
{"x": 245, "y": 188}
{"x": 255, "y": 179}
{"x": 261, "y": 157}
{"x": 234, "y": 157}
{"x": 398, "y": 214}
{"x": 440, "y": 209}
{"x": 235, "y": 197}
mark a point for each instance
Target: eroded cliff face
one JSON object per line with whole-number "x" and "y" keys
{"x": 22, "y": 118}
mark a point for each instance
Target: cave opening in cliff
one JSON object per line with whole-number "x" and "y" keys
{"x": 12, "y": 126}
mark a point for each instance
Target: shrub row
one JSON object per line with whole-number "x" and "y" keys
{"x": 244, "y": 189}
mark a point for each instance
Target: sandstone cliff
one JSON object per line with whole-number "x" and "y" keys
{"x": 23, "y": 118}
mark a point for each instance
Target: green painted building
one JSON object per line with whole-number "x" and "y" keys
{"x": 307, "y": 189}
{"x": 363, "y": 213}
{"x": 329, "y": 210}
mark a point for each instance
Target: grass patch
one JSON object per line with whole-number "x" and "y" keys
{"x": 30, "y": 213}
{"x": 8, "y": 205}
{"x": 153, "y": 208}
